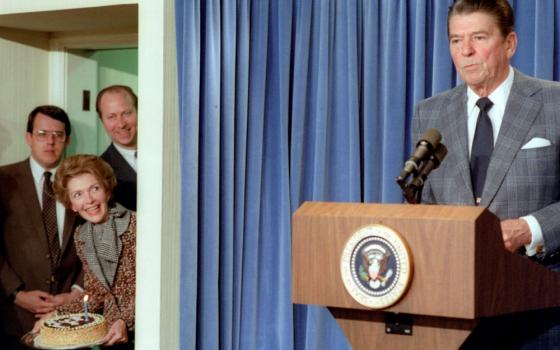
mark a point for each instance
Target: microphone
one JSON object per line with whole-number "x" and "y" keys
{"x": 424, "y": 148}
{"x": 431, "y": 164}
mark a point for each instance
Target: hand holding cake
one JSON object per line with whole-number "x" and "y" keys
{"x": 117, "y": 334}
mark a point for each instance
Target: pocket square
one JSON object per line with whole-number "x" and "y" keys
{"x": 536, "y": 142}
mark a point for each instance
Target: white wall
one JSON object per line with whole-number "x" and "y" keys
{"x": 82, "y": 75}
{"x": 23, "y": 85}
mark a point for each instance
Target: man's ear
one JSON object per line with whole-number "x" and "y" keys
{"x": 511, "y": 42}
{"x": 28, "y": 138}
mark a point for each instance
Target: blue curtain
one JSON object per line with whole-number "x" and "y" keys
{"x": 284, "y": 101}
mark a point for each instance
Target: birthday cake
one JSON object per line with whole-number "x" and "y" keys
{"x": 73, "y": 329}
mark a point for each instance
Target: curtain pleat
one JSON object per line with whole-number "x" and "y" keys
{"x": 188, "y": 33}
{"x": 227, "y": 263}
{"x": 286, "y": 101}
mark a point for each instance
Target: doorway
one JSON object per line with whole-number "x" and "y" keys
{"x": 87, "y": 72}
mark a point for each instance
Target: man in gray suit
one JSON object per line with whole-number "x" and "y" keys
{"x": 502, "y": 130}
{"x": 38, "y": 262}
{"x": 116, "y": 106}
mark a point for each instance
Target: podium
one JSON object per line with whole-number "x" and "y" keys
{"x": 460, "y": 272}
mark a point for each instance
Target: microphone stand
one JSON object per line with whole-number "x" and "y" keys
{"x": 412, "y": 191}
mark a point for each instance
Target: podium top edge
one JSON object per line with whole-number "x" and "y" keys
{"x": 453, "y": 212}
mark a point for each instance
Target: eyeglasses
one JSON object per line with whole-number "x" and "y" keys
{"x": 43, "y": 135}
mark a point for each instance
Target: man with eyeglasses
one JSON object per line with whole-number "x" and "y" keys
{"x": 116, "y": 106}
{"x": 38, "y": 262}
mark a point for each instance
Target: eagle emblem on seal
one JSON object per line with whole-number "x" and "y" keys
{"x": 374, "y": 268}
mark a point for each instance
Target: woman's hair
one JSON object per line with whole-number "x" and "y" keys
{"x": 78, "y": 165}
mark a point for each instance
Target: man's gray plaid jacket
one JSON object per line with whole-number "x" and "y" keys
{"x": 520, "y": 180}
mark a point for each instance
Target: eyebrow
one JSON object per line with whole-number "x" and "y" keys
{"x": 471, "y": 34}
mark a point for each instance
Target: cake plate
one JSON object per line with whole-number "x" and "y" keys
{"x": 35, "y": 342}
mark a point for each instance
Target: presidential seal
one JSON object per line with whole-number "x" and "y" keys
{"x": 376, "y": 266}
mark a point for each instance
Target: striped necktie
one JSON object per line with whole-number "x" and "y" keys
{"x": 49, "y": 219}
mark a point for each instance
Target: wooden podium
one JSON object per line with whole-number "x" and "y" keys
{"x": 461, "y": 272}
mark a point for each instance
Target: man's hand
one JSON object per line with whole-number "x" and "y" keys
{"x": 516, "y": 233}
{"x": 117, "y": 334}
{"x": 65, "y": 298}
{"x": 35, "y": 301}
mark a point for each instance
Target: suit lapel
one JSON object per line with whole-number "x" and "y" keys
{"x": 457, "y": 144}
{"x": 122, "y": 169}
{"x": 521, "y": 111}
{"x": 26, "y": 186}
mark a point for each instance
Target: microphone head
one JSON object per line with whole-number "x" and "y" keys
{"x": 439, "y": 153}
{"x": 432, "y": 137}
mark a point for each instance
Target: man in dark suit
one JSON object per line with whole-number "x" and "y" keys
{"x": 116, "y": 106}
{"x": 38, "y": 262}
{"x": 502, "y": 130}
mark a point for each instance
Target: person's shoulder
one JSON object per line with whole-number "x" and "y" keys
{"x": 549, "y": 85}
{"x": 11, "y": 176}
{"x": 132, "y": 217}
{"x": 108, "y": 153}
{"x": 112, "y": 157}
{"x": 442, "y": 98}
{"x": 130, "y": 232}
{"x": 15, "y": 168}
{"x": 78, "y": 231}
{"x": 533, "y": 85}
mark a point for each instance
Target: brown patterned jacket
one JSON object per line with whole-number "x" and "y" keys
{"x": 117, "y": 303}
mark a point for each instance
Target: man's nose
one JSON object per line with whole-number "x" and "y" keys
{"x": 51, "y": 138}
{"x": 467, "y": 48}
{"x": 121, "y": 122}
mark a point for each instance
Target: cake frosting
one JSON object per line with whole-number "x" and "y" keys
{"x": 73, "y": 329}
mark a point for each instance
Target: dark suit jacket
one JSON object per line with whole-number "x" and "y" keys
{"x": 24, "y": 252}
{"x": 521, "y": 180}
{"x": 125, "y": 192}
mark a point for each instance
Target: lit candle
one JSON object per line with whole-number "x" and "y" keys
{"x": 85, "y": 305}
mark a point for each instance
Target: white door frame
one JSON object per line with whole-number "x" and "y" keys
{"x": 159, "y": 181}
{"x": 58, "y": 57}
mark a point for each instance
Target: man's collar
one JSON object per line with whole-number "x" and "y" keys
{"x": 123, "y": 150}
{"x": 499, "y": 94}
{"x": 37, "y": 170}
{"x": 503, "y": 88}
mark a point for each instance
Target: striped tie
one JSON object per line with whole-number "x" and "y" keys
{"x": 49, "y": 219}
